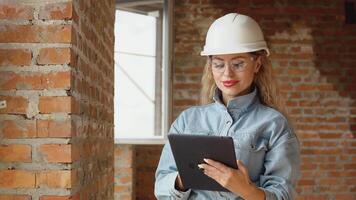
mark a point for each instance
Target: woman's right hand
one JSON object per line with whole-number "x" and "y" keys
{"x": 179, "y": 184}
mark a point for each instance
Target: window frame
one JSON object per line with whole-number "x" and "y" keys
{"x": 166, "y": 97}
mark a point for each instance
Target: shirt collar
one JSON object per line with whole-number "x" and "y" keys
{"x": 241, "y": 102}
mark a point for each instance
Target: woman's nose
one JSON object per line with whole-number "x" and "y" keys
{"x": 227, "y": 70}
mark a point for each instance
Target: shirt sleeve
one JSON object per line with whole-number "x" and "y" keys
{"x": 167, "y": 173}
{"x": 282, "y": 168}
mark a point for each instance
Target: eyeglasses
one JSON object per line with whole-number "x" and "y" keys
{"x": 237, "y": 65}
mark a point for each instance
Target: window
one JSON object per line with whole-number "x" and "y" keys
{"x": 141, "y": 96}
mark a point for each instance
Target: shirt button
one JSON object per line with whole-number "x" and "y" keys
{"x": 228, "y": 122}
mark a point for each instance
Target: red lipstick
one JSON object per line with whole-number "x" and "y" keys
{"x": 229, "y": 83}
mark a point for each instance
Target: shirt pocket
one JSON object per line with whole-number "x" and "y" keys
{"x": 251, "y": 150}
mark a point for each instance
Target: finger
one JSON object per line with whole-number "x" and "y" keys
{"x": 241, "y": 167}
{"x": 179, "y": 179}
{"x": 218, "y": 176}
{"x": 213, "y": 173}
{"x": 179, "y": 182}
{"x": 217, "y": 165}
{"x": 207, "y": 167}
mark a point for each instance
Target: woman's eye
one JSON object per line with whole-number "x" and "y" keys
{"x": 238, "y": 65}
{"x": 219, "y": 66}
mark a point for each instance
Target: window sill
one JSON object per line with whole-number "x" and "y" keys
{"x": 141, "y": 141}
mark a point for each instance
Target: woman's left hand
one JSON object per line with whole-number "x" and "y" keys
{"x": 235, "y": 180}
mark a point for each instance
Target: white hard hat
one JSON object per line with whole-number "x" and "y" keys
{"x": 234, "y": 33}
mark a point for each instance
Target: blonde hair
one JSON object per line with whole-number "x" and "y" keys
{"x": 264, "y": 80}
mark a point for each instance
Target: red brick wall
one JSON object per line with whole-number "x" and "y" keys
{"x": 59, "y": 110}
{"x": 125, "y": 171}
{"x": 135, "y": 167}
{"x": 92, "y": 80}
{"x": 314, "y": 55}
{"x": 147, "y": 157}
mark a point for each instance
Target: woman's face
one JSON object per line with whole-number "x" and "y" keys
{"x": 234, "y": 73}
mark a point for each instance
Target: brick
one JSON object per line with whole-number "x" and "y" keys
{"x": 15, "y": 57}
{"x": 335, "y": 119}
{"x": 184, "y": 102}
{"x": 314, "y": 197}
{"x": 350, "y": 166}
{"x": 13, "y": 80}
{"x": 321, "y": 151}
{"x": 303, "y": 182}
{"x": 57, "y": 80}
{"x": 122, "y": 188}
{"x": 190, "y": 70}
{"x": 51, "y": 128}
{"x": 312, "y": 143}
{"x": 307, "y": 87}
{"x": 56, "y": 11}
{"x": 308, "y": 166}
{"x": 15, "y": 11}
{"x": 56, "y": 198}
{"x": 309, "y": 103}
{"x": 35, "y": 81}
{"x": 75, "y": 181}
{"x": 15, "y": 197}
{"x": 326, "y": 87}
{"x": 187, "y": 86}
{"x": 54, "y": 56}
{"x": 54, "y": 179}
{"x": 286, "y": 87}
{"x": 125, "y": 197}
{"x": 296, "y": 71}
{"x": 76, "y": 153}
{"x": 15, "y": 153}
{"x": 17, "y": 179}
{"x": 13, "y": 129}
{"x": 125, "y": 179}
{"x": 77, "y": 106}
{"x": 291, "y": 103}
{"x": 58, "y": 153}
{"x": 55, "y": 104}
{"x": 345, "y": 196}
{"x": 328, "y": 181}
{"x": 35, "y": 34}
{"x": 18, "y": 33}
{"x": 55, "y": 34}
{"x": 15, "y": 105}
{"x": 330, "y": 135}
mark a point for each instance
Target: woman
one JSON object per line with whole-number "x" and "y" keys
{"x": 240, "y": 100}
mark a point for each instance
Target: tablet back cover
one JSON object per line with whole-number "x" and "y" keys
{"x": 190, "y": 150}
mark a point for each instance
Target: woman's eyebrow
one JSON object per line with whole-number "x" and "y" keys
{"x": 237, "y": 57}
{"x": 230, "y": 59}
{"x": 218, "y": 58}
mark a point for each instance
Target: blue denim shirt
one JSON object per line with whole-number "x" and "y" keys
{"x": 263, "y": 140}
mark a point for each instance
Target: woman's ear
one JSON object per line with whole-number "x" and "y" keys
{"x": 258, "y": 64}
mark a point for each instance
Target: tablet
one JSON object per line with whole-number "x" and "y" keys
{"x": 190, "y": 150}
